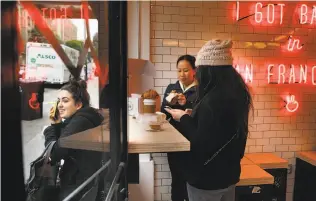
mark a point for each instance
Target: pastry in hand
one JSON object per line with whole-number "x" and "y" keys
{"x": 172, "y": 98}
{"x": 53, "y": 114}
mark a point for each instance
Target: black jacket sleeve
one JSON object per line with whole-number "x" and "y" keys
{"x": 77, "y": 124}
{"x": 198, "y": 130}
{"x": 52, "y": 133}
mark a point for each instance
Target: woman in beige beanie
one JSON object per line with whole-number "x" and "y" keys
{"x": 218, "y": 126}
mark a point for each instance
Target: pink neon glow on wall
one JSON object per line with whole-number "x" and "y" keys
{"x": 291, "y": 104}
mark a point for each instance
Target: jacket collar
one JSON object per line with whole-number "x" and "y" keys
{"x": 189, "y": 87}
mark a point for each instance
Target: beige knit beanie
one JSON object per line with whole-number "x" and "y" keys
{"x": 215, "y": 53}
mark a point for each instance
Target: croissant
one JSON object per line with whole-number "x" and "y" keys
{"x": 150, "y": 94}
{"x": 53, "y": 112}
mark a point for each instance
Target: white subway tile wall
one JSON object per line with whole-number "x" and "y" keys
{"x": 179, "y": 28}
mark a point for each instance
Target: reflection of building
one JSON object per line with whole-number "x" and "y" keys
{"x": 64, "y": 28}
{"x": 26, "y": 24}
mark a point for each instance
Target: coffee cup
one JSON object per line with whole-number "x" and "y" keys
{"x": 161, "y": 117}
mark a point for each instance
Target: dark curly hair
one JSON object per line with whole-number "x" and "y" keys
{"x": 78, "y": 90}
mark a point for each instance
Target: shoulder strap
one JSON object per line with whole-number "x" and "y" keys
{"x": 216, "y": 153}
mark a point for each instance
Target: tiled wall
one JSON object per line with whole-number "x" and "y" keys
{"x": 179, "y": 28}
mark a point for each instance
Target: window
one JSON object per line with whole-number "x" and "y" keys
{"x": 45, "y": 72}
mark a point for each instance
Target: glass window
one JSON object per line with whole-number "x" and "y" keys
{"x": 48, "y": 110}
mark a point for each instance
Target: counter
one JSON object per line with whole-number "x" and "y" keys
{"x": 139, "y": 140}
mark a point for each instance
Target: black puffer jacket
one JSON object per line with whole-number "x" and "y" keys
{"x": 208, "y": 130}
{"x": 79, "y": 165}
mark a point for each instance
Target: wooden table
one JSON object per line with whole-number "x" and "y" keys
{"x": 139, "y": 140}
{"x": 267, "y": 160}
{"x": 308, "y": 156}
{"x": 254, "y": 175}
{"x": 246, "y": 161}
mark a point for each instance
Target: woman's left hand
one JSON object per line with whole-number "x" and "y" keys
{"x": 176, "y": 113}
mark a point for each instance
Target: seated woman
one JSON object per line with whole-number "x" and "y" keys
{"x": 75, "y": 115}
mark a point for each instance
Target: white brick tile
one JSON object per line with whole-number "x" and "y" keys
{"x": 194, "y": 19}
{"x": 162, "y": 34}
{"x": 162, "y": 82}
{"x": 186, "y": 43}
{"x": 169, "y": 74}
{"x": 187, "y": 11}
{"x": 193, "y": 51}
{"x": 156, "y": 9}
{"x": 163, "y": 18}
{"x": 202, "y": 27}
{"x": 171, "y": 26}
{"x": 166, "y": 196}
{"x": 186, "y": 27}
{"x": 178, "y": 34}
{"x": 165, "y": 168}
{"x": 178, "y": 50}
{"x": 157, "y": 196}
{"x": 169, "y": 58}
{"x": 157, "y": 26}
{"x": 161, "y": 50}
{"x": 170, "y": 43}
{"x": 156, "y": 42}
{"x": 178, "y": 19}
{"x": 156, "y": 58}
{"x": 166, "y": 182}
{"x": 162, "y": 66}
{"x": 209, "y": 20}
{"x": 171, "y": 10}
{"x": 157, "y": 182}
{"x": 158, "y": 74}
{"x": 163, "y": 175}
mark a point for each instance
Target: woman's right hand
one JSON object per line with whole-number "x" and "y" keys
{"x": 182, "y": 99}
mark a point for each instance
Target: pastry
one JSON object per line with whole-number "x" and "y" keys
{"x": 53, "y": 115}
{"x": 172, "y": 98}
{"x": 150, "y": 94}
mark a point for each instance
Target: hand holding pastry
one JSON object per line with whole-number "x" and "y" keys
{"x": 54, "y": 114}
{"x": 172, "y": 98}
{"x": 182, "y": 99}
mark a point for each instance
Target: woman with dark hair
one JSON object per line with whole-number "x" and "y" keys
{"x": 217, "y": 128}
{"x": 184, "y": 92}
{"x": 74, "y": 115}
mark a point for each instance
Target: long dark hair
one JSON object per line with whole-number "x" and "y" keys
{"x": 78, "y": 90}
{"x": 224, "y": 81}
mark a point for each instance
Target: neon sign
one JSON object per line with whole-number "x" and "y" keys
{"x": 291, "y": 44}
{"x": 291, "y": 103}
{"x": 274, "y": 13}
{"x": 289, "y": 74}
